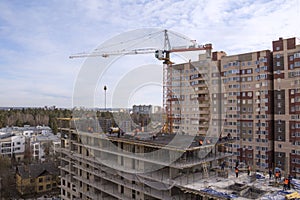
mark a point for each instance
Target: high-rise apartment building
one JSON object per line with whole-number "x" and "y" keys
{"x": 248, "y": 87}
{"x": 253, "y": 96}
{"x": 195, "y": 103}
{"x": 286, "y": 69}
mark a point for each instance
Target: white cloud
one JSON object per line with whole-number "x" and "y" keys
{"x": 36, "y": 37}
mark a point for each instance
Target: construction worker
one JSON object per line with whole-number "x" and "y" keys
{"x": 200, "y": 142}
{"x": 289, "y": 183}
{"x": 285, "y": 184}
{"x": 237, "y": 162}
{"x": 270, "y": 173}
{"x": 236, "y": 172}
{"x": 249, "y": 169}
{"x": 223, "y": 166}
{"x": 276, "y": 176}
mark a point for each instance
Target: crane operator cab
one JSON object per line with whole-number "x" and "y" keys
{"x": 159, "y": 54}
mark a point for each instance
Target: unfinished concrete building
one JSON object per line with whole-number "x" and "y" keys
{"x": 99, "y": 166}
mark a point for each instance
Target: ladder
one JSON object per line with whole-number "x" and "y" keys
{"x": 205, "y": 170}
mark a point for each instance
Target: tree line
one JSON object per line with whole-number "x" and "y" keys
{"x": 33, "y": 117}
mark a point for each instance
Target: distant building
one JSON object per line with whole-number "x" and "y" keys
{"x": 142, "y": 109}
{"x": 12, "y": 141}
{"x": 43, "y": 145}
{"x": 37, "y": 178}
{"x": 157, "y": 109}
{"x": 27, "y": 130}
{"x": 37, "y": 152}
{"x": 12, "y": 145}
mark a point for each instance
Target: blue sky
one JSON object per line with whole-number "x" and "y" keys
{"x": 36, "y": 37}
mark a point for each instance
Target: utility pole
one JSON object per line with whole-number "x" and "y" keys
{"x": 105, "y": 88}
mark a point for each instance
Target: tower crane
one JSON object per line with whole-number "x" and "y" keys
{"x": 160, "y": 54}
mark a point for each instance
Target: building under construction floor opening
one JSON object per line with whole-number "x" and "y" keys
{"x": 142, "y": 166}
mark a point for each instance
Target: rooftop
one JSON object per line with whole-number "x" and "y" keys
{"x": 35, "y": 170}
{"x": 175, "y": 141}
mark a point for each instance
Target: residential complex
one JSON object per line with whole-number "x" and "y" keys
{"x": 15, "y": 142}
{"x": 253, "y": 96}
{"x": 229, "y": 109}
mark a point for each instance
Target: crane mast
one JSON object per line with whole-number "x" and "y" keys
{"x": 163, "y": 55}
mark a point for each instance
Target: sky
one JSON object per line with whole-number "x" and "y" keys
{"x": 37, "y": 38}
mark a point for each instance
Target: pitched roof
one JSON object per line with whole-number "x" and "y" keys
{"x": 35, "y": 170}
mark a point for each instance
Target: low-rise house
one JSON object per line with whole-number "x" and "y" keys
{"x": 37, "y": 178}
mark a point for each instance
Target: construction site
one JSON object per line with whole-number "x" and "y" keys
{"x": 108, "y": 166}
{"x": 191, "y": 157}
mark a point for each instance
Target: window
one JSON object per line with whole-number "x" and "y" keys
{"x": 279, "y": 162}
{"x": 291, "y": 58}
{"x": 278, "y": 64}
{"x": 297, "y": 64}
{"x": 297, "y": 55}
{"x": 41, "y": 187}
{"x": 48, "y": 178}
{"x": 40, "y": 180}
{"x": 133, "y": 195}
{"x": 278, "y": 56}
{"x": 291, "y": 66}
{"x": 48, "y": 186}
{"x": 279, "y": 105}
